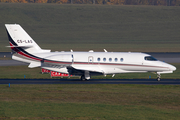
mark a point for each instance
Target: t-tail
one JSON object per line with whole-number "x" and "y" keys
{"x": 23, "y": 46}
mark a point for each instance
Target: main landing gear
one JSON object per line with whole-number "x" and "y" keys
{"x": 85, "y": 76}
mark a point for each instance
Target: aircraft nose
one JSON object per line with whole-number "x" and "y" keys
{"x": 173, "y": 68}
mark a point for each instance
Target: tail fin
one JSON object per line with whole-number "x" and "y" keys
{"x": 18, "y": 38}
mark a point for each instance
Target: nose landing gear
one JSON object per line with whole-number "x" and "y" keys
{"x": 158, "y": 77}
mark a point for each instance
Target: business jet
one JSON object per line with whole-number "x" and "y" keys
{"x": 84, "y": 64}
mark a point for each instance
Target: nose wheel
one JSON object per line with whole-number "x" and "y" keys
{"x": 158, "y": 77}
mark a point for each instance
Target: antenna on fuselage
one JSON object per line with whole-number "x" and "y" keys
{"x": 91, "y": 51}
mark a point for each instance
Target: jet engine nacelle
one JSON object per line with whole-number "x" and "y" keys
{"x": 65, "y": 59}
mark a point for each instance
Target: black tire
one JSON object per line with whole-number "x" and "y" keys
{"x": 83, "y": 78}
{"x": 158, "y": 79}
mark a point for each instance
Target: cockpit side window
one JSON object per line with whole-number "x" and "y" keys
{"x": 150, "y": 58}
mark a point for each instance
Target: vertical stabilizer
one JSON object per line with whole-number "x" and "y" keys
{"x": 19, "y": 39}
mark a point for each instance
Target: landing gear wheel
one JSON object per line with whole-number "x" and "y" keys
{"x": 158, "y": 77}
{"x": 83, "y": 78}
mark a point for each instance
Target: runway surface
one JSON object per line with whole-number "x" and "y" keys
{"x": 92, "y": 81}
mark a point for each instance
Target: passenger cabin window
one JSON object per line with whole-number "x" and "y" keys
{"x": 99, "y": 59}
{"x": 104, "y": 59}
{"x": 110, "y": 59}
{"x": 121, "y": 59}
{"x": 115, "y": 59}
{"x": 150, "y": 58}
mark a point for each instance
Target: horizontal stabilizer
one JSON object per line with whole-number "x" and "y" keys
{"x": 34, "y": 64}
{"x": 27, "y": 46}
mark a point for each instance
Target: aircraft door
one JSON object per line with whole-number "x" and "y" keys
{"x": 90, "y": 59}
{"x": 72, "y": 59}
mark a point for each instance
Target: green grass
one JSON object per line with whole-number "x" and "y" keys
{"x": 85, "y": 27}
{"x": 87, "y": 102}
{"x": 84, "y": 111}
{"x": 17, "y": 72}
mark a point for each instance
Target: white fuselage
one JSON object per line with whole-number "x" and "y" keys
{"x": 102, "y": 62}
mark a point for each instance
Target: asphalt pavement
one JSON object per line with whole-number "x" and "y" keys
{"x": 91, "y": 81}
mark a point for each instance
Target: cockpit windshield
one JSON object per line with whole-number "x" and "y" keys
{"x": 150, "y": 58}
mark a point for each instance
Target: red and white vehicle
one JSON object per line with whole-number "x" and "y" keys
{"x": 55, "y": 74}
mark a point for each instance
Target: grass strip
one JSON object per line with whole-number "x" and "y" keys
{"x": 84, "y": 27}
{"x": 89, "y": 102}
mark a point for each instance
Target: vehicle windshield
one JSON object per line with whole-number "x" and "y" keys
{"x": 150, "y": 58}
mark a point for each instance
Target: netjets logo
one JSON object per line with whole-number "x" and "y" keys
{"x": 24, "y": 41}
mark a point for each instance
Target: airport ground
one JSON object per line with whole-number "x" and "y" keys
{"x": 81, "y": 28}
{"x": 85, "y": 102}
{"x": 92, "y": 101}
{"x": 102, "y": 99}
{"x": 95, "y": 99}
{"x": 91, "y": 81}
